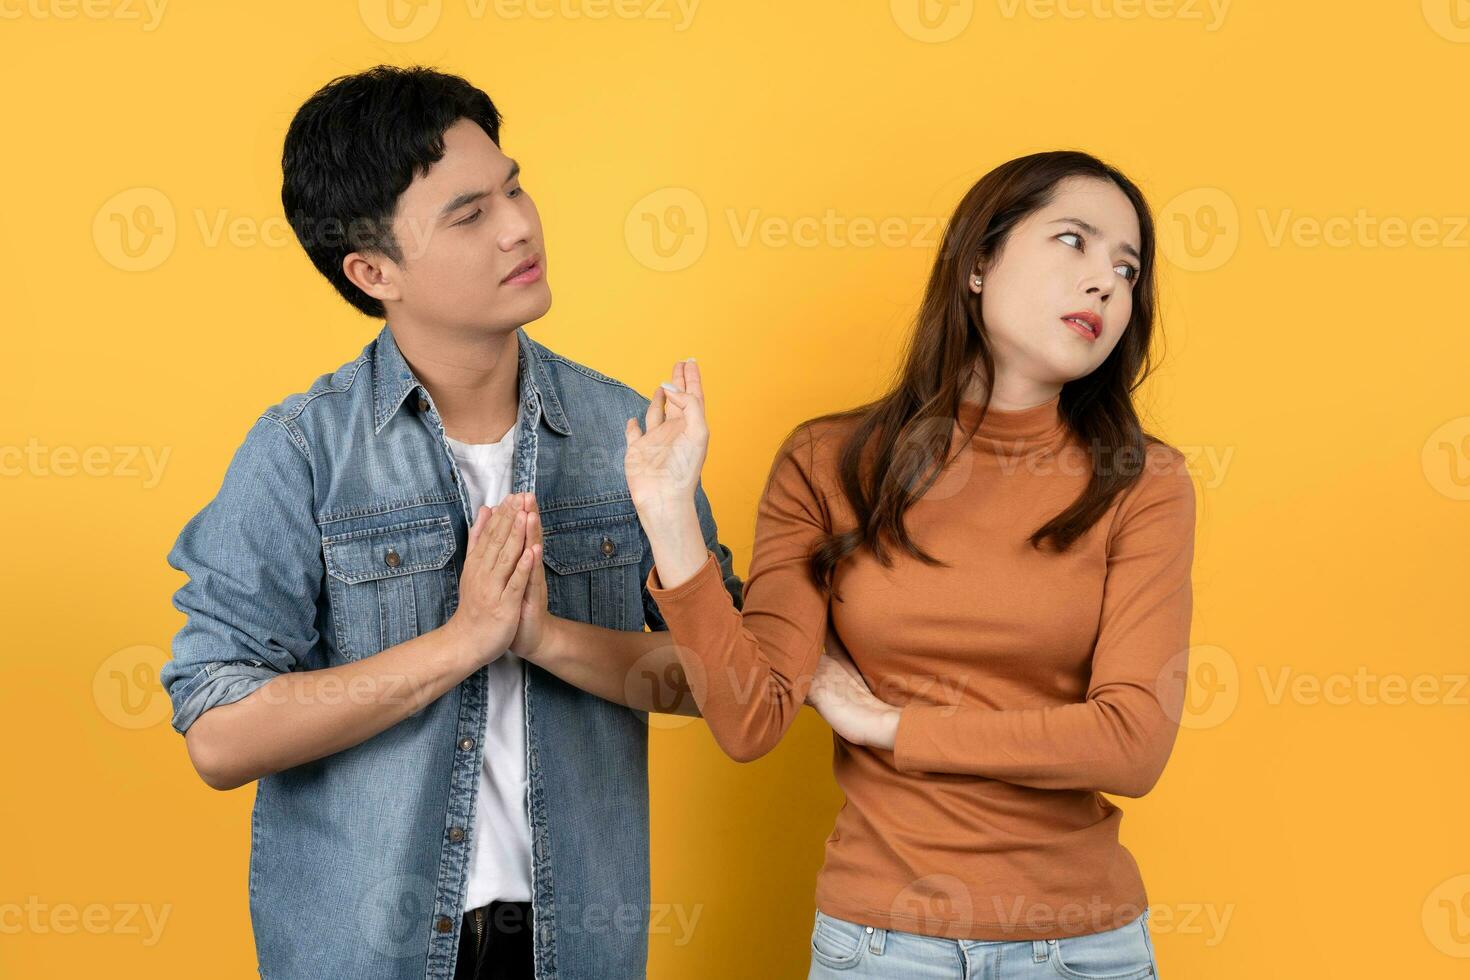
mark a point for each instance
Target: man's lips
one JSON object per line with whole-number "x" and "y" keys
{"x": 529, "y": 270}
{"x": 1085, "y": 322}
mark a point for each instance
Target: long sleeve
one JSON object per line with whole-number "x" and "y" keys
{"x": 750, "y": 670}
{"x": 1118, "y": 739}
{"x": 724, "y": 558}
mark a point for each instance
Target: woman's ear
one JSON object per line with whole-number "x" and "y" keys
{"x": 977, "y": 275}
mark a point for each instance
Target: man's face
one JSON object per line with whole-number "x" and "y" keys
{"x": 464, "y": 229}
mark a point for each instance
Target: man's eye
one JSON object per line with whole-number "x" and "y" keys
{"x": 465, "y": 221}
{"x": 513, "y": 192}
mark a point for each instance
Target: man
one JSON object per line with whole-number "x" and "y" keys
{"x": 444, "y": 707}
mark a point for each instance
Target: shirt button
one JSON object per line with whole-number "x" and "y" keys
{"x": 391, "y": 559}
{"x": 443, "y": 924}
{"x": 456, "y": 833}
{"x": 870, "y": 928}
{"x": 466, "y": 743}
{"x": 609, "y": 546}
{"x": 423, "y": 404}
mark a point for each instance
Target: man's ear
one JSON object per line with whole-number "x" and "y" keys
{"x": 373, "y": 273}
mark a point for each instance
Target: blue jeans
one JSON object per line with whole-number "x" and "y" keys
{"x": 849, "y": 950}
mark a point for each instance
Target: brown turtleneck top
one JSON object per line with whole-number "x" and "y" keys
{"x": 1030, "y": 682}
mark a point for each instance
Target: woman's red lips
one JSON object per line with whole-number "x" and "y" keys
{"x": 520, "y": 271}
{"x": 1088, "y": 323}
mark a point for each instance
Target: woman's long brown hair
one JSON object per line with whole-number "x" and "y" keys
{"x": 911, "y": 426}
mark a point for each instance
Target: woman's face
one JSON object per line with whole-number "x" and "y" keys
{"x": 1078, "y": 255}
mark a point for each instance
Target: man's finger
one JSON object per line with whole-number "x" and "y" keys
{"x": 535, "y": 543}
{"x": 482, "y": 516}
{"x": 515, "y": 583}
{"x": 510, "y": 548}
{"x": 475, "y": 530}
{"x": 535, "y": 595}
{"x": 497, "y": 532}
{"x": 693, "y": 384}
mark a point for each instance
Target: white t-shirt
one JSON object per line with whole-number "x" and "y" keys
{"x": 500, "y": 865}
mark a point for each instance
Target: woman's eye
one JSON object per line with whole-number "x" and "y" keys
{"x": 1125, "y": 270}
{"x": 465, "y": 221}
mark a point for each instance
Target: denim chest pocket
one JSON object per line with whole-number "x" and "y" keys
{"x": 594, "y": 567}
{"x": 389, "y": 584}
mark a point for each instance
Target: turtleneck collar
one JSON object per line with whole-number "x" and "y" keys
{"x": 1040, "y": 424}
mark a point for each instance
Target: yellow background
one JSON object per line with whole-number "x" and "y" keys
{"x": 1320, "y": 385}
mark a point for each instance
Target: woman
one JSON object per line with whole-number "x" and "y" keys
{"x": 1005, "y": 557}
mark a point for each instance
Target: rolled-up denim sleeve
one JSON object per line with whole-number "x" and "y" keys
{"x": 723, "y": 556}
{"x": 254, "y": 567}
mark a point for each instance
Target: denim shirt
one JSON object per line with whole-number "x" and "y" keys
{"x": 340, "y": 531}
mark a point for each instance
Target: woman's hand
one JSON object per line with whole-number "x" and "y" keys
{"x": 663, "y": 463}
{"x": 843, "y": 698}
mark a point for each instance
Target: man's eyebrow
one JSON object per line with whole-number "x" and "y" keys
{"x": 1092, "y": 230}
{"x": 460, "y": 200}
{"x": 469, "y": 197}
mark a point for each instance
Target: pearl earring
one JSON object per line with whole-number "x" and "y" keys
{"x": 976, "y": 281}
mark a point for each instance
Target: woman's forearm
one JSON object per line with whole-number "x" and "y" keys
{"x": 675, "y": 536}
{"x": 749, "y": 666}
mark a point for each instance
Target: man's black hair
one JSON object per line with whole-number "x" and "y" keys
{"x": 355, "y": 146}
